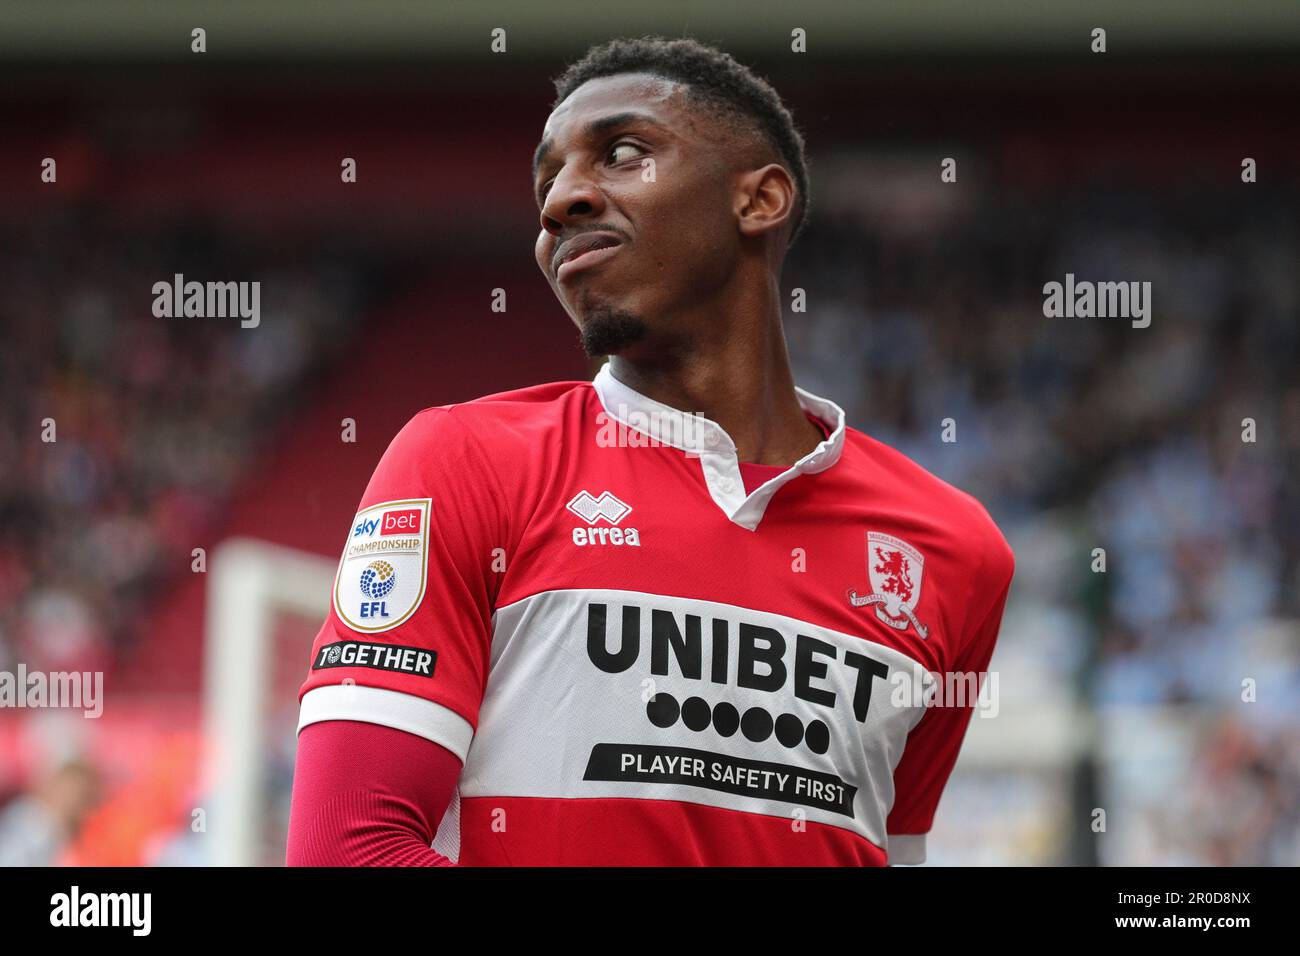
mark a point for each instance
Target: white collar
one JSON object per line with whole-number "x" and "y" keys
{"x": 705, "y": 439}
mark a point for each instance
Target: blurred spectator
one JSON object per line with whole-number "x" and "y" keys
{"x": 37, "y": 827}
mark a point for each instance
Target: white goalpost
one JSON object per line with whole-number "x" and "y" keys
{"x": 249, "y": 583}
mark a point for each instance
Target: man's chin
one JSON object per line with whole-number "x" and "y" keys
{"x": 607, "y": 331}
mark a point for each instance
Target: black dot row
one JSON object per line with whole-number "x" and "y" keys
{"x": 756, "y": 724}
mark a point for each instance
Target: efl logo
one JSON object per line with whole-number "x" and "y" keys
{"x": 385, "y": 566}
{"x": 401, "y": 522}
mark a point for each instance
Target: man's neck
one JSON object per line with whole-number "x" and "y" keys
{"x": 747, "y": 390}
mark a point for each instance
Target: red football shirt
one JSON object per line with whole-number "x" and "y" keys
{"x": 640, "y": 662}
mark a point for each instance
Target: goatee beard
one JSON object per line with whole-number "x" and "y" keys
{"x": 607, "y": 331}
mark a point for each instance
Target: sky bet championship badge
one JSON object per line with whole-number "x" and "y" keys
{"x": 385, "y": 562}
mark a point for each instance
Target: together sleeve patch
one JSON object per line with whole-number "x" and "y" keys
{"x": 384, "y": 657}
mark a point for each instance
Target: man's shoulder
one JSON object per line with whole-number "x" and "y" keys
{"x": 530, "y": 400}
{"x": 886, "y": 471}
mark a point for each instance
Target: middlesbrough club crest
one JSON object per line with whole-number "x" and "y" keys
{"x": 895, "y": 569}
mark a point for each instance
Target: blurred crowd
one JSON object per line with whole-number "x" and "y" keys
{"x": 122, "y": 434}
{"x": 1172, "y": 448}
{"x": 1158, "y": 553}
{"x": 123, "y": 437}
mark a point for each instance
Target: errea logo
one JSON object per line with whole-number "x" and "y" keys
{"x": 608, "y": 509}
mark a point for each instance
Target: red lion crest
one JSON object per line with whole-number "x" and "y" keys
{"x": 895, "y": 567}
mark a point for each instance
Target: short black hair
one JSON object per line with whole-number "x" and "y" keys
{"x": 716, "y": 80}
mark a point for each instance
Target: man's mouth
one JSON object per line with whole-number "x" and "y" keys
{"x": 584, "y": 251}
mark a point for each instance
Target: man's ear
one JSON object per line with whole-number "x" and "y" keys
{"x": 764, "y": 199}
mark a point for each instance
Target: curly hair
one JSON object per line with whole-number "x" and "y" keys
{"x": 716, "y": 83}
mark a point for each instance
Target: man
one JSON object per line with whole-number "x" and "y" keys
{"x": 658, "y": 618}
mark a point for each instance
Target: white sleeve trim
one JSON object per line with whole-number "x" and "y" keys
{"x": 906, "y": 848}
{"x": 388, "y": 708}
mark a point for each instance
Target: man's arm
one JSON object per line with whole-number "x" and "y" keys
{"x": 933, "y": 745}
{"x": 368, "y": 795}
{"x": 397, "y": 671}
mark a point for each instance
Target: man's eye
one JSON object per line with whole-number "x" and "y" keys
{"x": 625, "y": 145}
{"x": 617, "y": 154}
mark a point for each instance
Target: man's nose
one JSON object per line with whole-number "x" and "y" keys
{"x": 570, "y": 198}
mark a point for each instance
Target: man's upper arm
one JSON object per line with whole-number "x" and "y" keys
{"x": 934, "y": 744}
{"x": 407, "y": 640}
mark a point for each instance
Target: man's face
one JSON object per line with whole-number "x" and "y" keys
{"x": 625, "y": 169}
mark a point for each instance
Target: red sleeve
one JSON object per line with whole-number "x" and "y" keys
{"x": 934, "y": 744}
{"x": 406, "y": 642}
{"x": 366, "y": 795}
